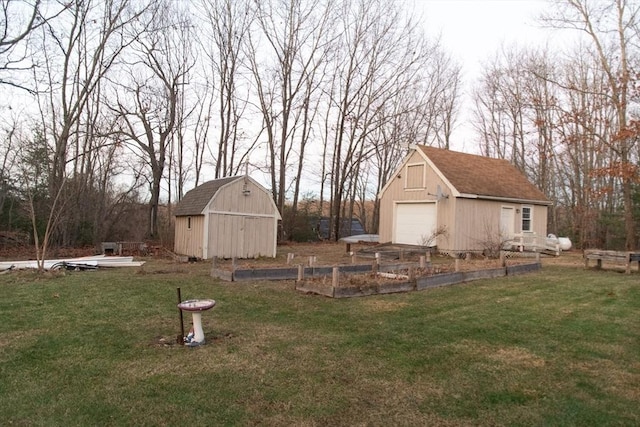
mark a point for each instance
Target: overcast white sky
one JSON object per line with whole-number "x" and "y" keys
{"x": 473, "y": 30}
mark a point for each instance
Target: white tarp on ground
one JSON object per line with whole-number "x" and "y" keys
{"x": 373, "y": 238}
{"x": 92, "y": 261}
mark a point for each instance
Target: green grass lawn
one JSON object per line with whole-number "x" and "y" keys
{"x": 559, "y": 347}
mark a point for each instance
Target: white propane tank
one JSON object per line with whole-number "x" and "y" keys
{"x": 565, "y": 243}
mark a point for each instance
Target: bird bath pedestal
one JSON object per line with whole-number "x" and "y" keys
{"x": 196, "y": 307}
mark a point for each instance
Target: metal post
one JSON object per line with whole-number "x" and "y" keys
{"x": 180, "y": 339}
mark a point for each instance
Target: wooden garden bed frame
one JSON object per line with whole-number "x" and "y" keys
{"x": 617, "y": 257}
{"x": 326, "y": 280}
{"x": 333, "y": 288}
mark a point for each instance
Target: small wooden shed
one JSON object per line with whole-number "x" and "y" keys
{"x": 227, "y": 217}
{"x": 459, "y": 202}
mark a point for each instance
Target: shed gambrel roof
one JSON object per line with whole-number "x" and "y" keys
{"x": 482, "y": 176}
{"x": 194, "y": 202}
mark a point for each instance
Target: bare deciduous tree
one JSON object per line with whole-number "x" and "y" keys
{"x": 18, "y": 20}
{"x": 148, "y": 101}
{"x": 500, "y": 104}
{"x": 227, "y": 27}
{"x": 77, "y": 52}
{"x": 286, "y": 85}
{"x": 379, "y": 66}
{"x": 610, "y": 26}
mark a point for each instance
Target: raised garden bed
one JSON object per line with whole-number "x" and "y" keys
{"x": 360, "y": 279}
{"x": 373, "y": 284}
{"x": 293, "y": 273}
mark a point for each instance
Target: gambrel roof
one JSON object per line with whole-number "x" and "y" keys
{"x": 194, "y": 202}
{"x": 484, "y": 177}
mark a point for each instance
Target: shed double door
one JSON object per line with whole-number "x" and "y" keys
{"x": 240, "y": 236}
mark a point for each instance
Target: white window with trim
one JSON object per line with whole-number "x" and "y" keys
{"x": 527, "y": 219}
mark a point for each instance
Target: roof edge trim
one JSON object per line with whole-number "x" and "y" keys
{"x": 506, "y": 199}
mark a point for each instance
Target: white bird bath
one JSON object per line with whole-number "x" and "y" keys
{"x": 196, "y": 307}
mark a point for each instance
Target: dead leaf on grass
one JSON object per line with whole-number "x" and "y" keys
{"x": 518, "y": 356}
{"x": 382, "y": 305}
{"x": 621, "y": 381}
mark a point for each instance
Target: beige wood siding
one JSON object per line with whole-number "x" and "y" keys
{"x": 446, "y": 221}
{"x": 223, "y": 235}
{"x": 540, "y": 220}
{"x": 232, "y": 198}
{"x": 478, "y": 220}
{"x": 415, "y": 176}
{"x": 259, "y": 235}
{"x": 188, "y": 241}
{"x": 241, "y": 236}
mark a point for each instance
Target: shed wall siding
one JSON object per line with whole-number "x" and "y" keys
{"x": 259, "y": 235}
{"x": 232, "y": 199}
{"x": 241, "y": 236}
{"x": 540, "y": 214}
{"x": 477, "y": 220}
{"x": 446, "y": 221}
{"x": 188, "y": 241}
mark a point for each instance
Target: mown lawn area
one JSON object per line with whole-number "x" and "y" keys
{"x": 559, "y": 347}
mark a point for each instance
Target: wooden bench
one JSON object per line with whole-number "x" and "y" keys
{"x": 618, "y": 257}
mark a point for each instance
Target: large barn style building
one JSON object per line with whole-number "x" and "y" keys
{"x": 459, "y": 202}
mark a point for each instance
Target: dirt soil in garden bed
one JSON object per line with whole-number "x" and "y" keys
{"x": 369, "y": 279}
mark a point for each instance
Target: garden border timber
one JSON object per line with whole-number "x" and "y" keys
{"x": 618, "y": 257}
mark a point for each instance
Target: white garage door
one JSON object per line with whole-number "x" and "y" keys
{"x": 415, "y": 223}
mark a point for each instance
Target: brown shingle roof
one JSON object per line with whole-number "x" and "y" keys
{"x": 195, "y": 200}
{"x": 483, "y": 176}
